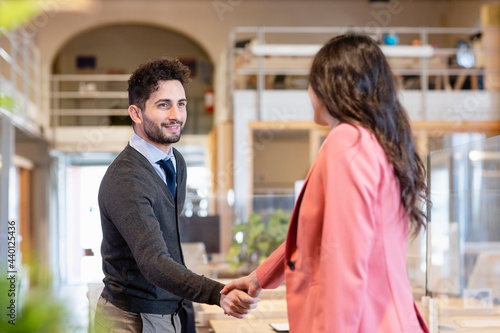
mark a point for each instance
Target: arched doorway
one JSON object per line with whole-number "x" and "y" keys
{"x": 120, "y": 49}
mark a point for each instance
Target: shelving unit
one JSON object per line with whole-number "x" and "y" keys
{"x": 95, "y": 91}
{"x": 268, "y": 68}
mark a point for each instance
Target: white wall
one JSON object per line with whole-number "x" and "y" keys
{"x": 125, "y": 47}
{"x": 209, "y": 22}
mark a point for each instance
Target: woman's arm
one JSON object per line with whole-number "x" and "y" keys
{"x": 269, "y": 275}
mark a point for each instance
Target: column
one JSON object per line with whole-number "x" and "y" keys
{"x": 490, "y": 41}
{"x": 7, "y": 153}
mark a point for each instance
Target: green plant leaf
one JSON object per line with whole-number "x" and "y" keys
{"x": 14, "y": 13}
{"x": 36, "y": 310}
{"x": 257, "y": 230}
{"x": 7, "y": 102}
{"x": 260, "y": 238}
{"x": 234, "y": 251}
{"x": 264, "y": 247}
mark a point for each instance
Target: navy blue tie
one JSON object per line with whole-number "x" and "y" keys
{"x": 168, "y": 167}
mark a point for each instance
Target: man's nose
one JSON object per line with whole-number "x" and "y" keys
{"x": 174, "y": 112}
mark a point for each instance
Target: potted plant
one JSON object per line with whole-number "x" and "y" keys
{"x": 255, "y": 239}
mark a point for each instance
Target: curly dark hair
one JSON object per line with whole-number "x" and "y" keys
{"x": 145, "y": 79}
{"x": 351, "y": 76}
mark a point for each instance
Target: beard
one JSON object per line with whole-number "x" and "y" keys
{"x": 156, "y": 134}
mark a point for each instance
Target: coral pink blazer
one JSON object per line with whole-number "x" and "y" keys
{"x": 344, "y": 261}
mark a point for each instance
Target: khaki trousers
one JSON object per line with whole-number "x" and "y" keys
{"x": 111, "y": 319}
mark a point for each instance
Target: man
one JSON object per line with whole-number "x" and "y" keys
{"x": 140, "y": 199}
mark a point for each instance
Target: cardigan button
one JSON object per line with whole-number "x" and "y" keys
{"x": 291, "y": 265}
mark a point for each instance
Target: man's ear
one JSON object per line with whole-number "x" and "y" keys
{"x": 135, "y": 114}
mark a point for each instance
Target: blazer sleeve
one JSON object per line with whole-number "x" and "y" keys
{"x": 350, "y": 173}
{"x": 271, "y": 273}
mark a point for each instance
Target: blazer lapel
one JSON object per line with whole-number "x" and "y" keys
{"x": 291, "y": 241}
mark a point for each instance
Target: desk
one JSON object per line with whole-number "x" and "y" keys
{"x": 245, "y": 325}
{"x": 266, "y": 309}
{"x": 469, "y": 324}
{"x": 454, "y": 317}
{"x": 271, "y": 309}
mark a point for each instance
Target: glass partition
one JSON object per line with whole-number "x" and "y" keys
{"x": 463, "y": 259}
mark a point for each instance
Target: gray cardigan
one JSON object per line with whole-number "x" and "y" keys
{"x": 141, "y": 251}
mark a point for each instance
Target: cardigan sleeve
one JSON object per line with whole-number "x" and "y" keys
{"x": 130, "y": 209}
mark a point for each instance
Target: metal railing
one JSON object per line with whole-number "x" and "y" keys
{"x": 93, "y": 99}
{"x": 20, "y": 80}
{"x": 84, "y": 97}
{"x": 434, "y": 72}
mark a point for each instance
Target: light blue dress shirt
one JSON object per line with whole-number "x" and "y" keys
{"x": 152, "y": 154}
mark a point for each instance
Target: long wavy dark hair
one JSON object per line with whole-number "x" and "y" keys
{"x": 351, "y": 76}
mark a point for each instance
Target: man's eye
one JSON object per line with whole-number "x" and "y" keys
{"x": 164, "y": 105}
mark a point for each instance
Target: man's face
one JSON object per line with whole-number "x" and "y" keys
{"x": 165, "y": 113}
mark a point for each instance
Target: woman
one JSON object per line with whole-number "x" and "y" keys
{"x": 344, "y": 261}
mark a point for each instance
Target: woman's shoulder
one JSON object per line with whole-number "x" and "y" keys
{"x": 348, "y": 143}
{"x": 347, "y": 136}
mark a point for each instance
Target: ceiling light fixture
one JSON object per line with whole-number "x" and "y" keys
{"x": 307, "y": 50}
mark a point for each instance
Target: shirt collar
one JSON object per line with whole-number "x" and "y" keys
{"x": 152, "y": 153}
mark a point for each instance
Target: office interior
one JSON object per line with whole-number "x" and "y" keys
{"x": 249, "y": 139}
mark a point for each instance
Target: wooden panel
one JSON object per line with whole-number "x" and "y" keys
{"x": 424, "y": 130}
{"x": 223, "y": 181}
{"x": 490, "y": 42}
{"x": 223, "y": 172}
{"x": 25, "y": 214}
{"x": 490, "y": 15}
{"x": 212, "y": 162}
{"x": 290, "y": 125}
{"x": 279, "y": 159}
{"x": 447, "y": 127}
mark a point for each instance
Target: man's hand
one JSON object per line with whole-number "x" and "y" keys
{"x": 249, "y": 283}
{"x": 237, "y": 303}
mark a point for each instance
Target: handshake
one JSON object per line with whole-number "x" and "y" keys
{"x": 240, "y": 296}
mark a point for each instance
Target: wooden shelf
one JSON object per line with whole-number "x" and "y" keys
{"x": 449, "y": 127}
{"x": 90, "y": 94}
{"x": 91, "y": 112}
